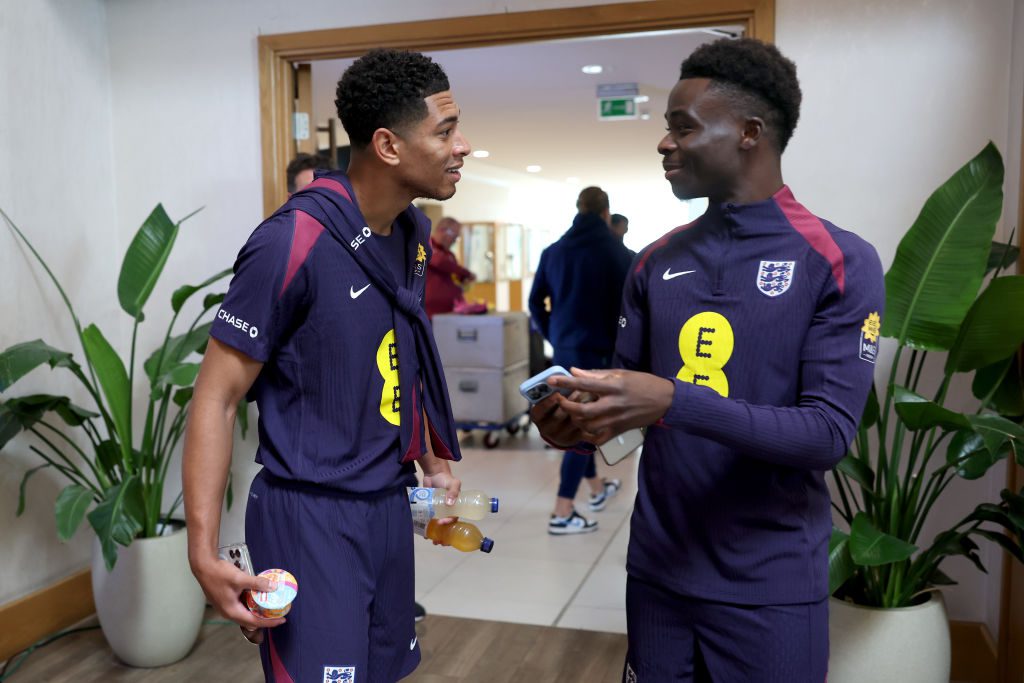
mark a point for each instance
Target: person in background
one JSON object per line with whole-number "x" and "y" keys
{"x": 446, "y": 279}
{"x": 581, "y": 277}
{"x": 300, "y": 170}
{"x": 619, "y": 225}
{"x": 747, "y": 347}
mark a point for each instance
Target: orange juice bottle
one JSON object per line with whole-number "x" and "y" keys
{"x": 459, "y": 535}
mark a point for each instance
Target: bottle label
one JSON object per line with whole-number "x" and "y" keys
{"x": 421, "y": 504}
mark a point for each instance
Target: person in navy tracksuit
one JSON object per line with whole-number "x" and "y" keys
{"x": 748, "y": 348}
{"x": 581, "y": 277}
{"x": 324, "y": 327}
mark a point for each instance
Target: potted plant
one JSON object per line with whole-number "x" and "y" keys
{"x": 117, "y": 474}
{"x": 887, "y": 618}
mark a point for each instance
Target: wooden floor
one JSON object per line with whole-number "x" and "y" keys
{"x": 453, "y": 650}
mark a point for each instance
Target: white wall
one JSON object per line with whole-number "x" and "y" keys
{"x": 57, "y": 184}
{"x": 897, "y": 95}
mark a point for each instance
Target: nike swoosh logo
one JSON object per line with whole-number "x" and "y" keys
{"x": 412, "y": 645}
{"x": 354, "y": 293}
{"x": 669, "y": 274}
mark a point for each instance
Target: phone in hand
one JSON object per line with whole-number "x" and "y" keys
{"x": 536, "y": 389}
{"x": 238, "y": 555}
{"x": 618, "y": 447}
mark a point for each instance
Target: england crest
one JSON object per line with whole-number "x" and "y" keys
{"x": 774, "y": 277}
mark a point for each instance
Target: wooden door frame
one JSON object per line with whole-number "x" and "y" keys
{"x": 278, "y": 53}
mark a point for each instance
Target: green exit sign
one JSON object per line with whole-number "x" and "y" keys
{"x": 616, "y": 108}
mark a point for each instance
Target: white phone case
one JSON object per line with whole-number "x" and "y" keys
{"x": 618, "y": 447}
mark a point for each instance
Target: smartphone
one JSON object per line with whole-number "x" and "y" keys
{"x": 238, "y": 555}
{"x": 618, "y": 447}
{"x": 536, "y": 389}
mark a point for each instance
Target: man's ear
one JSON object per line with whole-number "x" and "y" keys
{"x": 753, "y": 133}
{"x": 386, "y": 146}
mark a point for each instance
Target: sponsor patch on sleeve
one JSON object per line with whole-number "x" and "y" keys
{"x": 869, "y": 334}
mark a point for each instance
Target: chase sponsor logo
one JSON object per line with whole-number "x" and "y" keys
{"x": 238, "y": 323}
{"x": 421, "y": 260}
{"x": 622, "y": 321}
{"x": 630, "y": 674}
{"x": 345, "y": 674}
{"x": 775, "y": 277}
{"x": 870, "y": 331}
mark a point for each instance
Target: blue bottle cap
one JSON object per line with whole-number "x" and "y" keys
{"x": 494, "y": 504}
{"x": 486, "y": 545}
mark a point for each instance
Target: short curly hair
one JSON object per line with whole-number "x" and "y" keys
{"x": 386, "y": 89}
{"x": 757, "y": 76}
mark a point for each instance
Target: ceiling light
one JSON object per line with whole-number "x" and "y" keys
{"x": 645, "y": 117}
{"x": 592, "y": 69}
{"x": 640, "y": 99}
{"x": 481, "y": 154}
{"x": 533, "y": 168}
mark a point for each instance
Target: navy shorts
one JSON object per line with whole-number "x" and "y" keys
{"x": 352, "y": 557}
{"x": 676, "y": 638}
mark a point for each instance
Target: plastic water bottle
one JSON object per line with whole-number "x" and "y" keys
{"x": 470, "y": 504}
{"x": 460, "y": 535}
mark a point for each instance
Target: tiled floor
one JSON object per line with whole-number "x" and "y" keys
{"x": 531, "y": 577}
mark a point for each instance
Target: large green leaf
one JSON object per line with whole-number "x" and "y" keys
{"x": 119, "y": 518}
{"x": 840, "y": 564}
{"x": 33, "y": 407}
{"x": 183, "y": 376}
{"x": 1008, "y": 396}
{"x": 20, "y": 359}
{"x": 858, "y": 470}
{"x": 870, "y": 547}
{"x": 24, "y": 412}
{"x": 993, "y": 328}
{"x": 113, "y": 380}
{"x": 144, "y": 261}
{"x": 968, "y": 454}
{"x": 996, "y": 431}
{"x": 917, "y": 412}
{"x": 10, "y": 424}
{"x": 109, "y": 455}
{"x": 183, "y": 293}
{"x": 940, "y": 262}
{"x": 178, "y": 349}
{"x": 1004, "y": 541}
{"x": 72, "y": 504}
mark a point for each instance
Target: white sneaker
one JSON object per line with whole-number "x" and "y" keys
{"x": 599, "y": 501}
{"x": 573, "y": 524}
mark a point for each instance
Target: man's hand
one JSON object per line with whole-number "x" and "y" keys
{"x": 443, "y": 479}
{"x": 625, "y": 399}
{"x": 554, "y": 423}
{"x": 224, "y": 586}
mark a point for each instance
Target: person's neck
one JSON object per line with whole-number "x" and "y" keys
{"x": 379, "y": 198}
{"x": 762, "y": 181}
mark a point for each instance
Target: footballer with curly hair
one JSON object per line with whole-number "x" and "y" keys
{"x": 747, "y": 347}
{"x": 323, "y": 326}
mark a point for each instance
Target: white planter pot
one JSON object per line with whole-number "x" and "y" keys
{"x": 903, "y": 645}
{"x": 150, "y": 606}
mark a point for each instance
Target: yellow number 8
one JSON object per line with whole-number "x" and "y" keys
{"x": 387, "y": 366}
{"x": 705, "y": 343}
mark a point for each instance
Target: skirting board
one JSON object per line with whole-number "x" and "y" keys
{"x": 28, "y": 619}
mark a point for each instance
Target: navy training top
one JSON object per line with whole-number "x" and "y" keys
{"x": 767, "y": 318}
{"x": 328, "y": 392}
